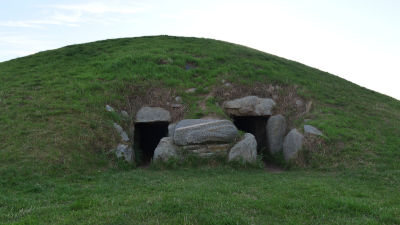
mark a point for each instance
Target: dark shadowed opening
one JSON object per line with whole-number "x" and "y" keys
{"x": 256, "y": 125}
{"x": 147, "y": 136}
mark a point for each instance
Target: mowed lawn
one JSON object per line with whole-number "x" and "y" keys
{"x": 202, "y": 196}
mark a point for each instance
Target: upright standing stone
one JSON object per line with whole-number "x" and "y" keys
{"x": 276, "y": 128}
{"x": 245, "y": 150}
{"x": 165, "y": 150}
{"x": 292, "y": 144}
{"x": 171, "y": 129}
{"x": 124, "y": 151}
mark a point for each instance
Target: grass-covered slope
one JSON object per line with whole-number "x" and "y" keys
{"x": 53, "y": 123}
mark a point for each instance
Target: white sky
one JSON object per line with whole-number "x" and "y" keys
{"x": 358, "y": 40}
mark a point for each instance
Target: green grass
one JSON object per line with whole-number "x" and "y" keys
{"x": 207, "y": 196}
{"x": 55, "y": 135}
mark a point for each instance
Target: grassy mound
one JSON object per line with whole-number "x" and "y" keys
{"x": 53, "y": 123}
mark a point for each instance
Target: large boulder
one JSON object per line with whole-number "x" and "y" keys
{"x": 202, "y": 131}
{"x": 207, "y": 150}
{"x": 276, "y": 128}
{"x": 249, "y": 106}
{"x": 308, "y": 129}
{"x": 152, "y": 114}
{"x": 292, "y": 144}
{"x": 165, "y": 150}
{"x": 245, "y": 150}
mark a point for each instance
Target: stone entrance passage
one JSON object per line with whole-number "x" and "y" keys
{"x": 256, "y": 125}
{"x": 250, "y": 114}
{"x": 147, "y": 137}
{"x": 150, "y": 126}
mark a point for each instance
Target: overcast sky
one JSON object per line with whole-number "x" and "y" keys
{"x": 358, "y": 40}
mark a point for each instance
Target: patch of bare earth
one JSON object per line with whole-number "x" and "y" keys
{"x": 153, "y": 95}
{"x": 272, "y": 168}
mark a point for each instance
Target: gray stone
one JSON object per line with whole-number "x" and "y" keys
{"x": 276, "y": 129}
{"x": 228, "y": 85}
{"x": 292, "y": 144}
{"x": 191, "y": 90}
{"x": 109, "y": 108}
{"x": 178, "y": 99}
{"x": 245, "y": 150}
{"x": 124, "y": 114}
{"x": 308, "y": 129}
{"x": 121, "y": 132}
{"x": 171, "y": 129}
{"x": 198, "y": 131}
{"x": 299, "y": 103}
{"x": 249, "y": 106}
{"x": 165, "y": 150}
{"x": 124, "y": 151}
{"x": 176, "y": 106}
{"x": 152, "y": 114}
{"x": 207, "y": 150}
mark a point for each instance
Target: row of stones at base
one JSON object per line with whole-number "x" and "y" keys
{"x": 195, "y": 135}
{"x": 244, "y": 150}
{"x": 200, "y": 131}
{"x": 192, "y": 135}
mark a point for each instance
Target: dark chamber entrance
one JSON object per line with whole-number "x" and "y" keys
{"x": 256, "y": 125}
{"x": 147, "y": 136}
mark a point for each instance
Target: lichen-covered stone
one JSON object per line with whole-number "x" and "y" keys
{"x": 201, "y": 131}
